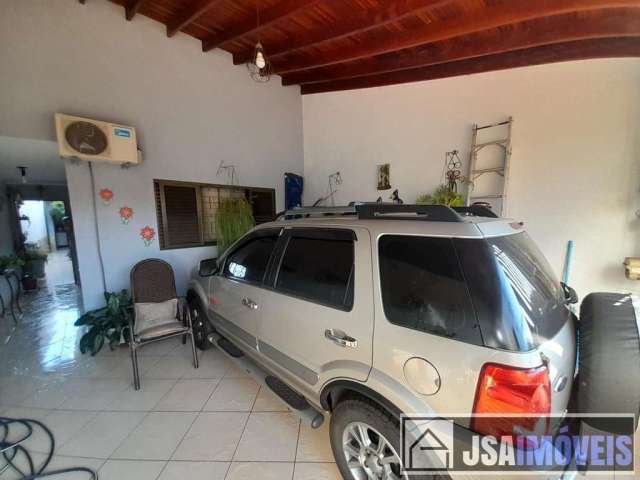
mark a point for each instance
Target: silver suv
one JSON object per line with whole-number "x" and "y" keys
{"x": 373, "y": 311}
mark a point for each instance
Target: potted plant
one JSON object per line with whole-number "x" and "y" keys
{"x": 105, "y": 324}
{"x": 234, "y": 218}
{"x": 34, "y": 262}
{"x": 9, "y": 261}
{"x": 442, "y": 195}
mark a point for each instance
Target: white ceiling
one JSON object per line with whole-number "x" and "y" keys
{"x": 40, "y": 156}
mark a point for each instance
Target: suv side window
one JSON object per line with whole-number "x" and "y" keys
{"x": 249, "y": 262}
{"x": 423, "y": 287}
{"x": 319, "y": 267}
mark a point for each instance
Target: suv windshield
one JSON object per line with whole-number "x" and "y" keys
{"x": 517, "y": 298}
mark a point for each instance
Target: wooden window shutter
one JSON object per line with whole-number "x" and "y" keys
{"x": 181, "y": 215}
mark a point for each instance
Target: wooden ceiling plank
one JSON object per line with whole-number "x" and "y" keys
{"x": 559, "y": 29}
{"x": 132, "y": 8}
{"x": 189, "y": 15}
{"x": 365, "y": 20}
{"x": 277, "y": 13}
{"x": 491, "y": 17}
{"x": 578, "y": 50}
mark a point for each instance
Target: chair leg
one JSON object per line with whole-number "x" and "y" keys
{"x": 194, "y": 350}
{"x": 136, "y": 373}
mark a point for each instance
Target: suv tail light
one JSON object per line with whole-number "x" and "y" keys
{"x": 515, "y": 391}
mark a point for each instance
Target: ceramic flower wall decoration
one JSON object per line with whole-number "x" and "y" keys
{"x": 126, "y": 214}
{"x": 148, "y": 235}
{"x": 106, "y": 195}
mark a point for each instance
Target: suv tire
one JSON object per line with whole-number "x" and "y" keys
{"x": 349, "y": 419}
{"x": 201, "y": 326}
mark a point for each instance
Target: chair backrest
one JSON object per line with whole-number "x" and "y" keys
{"x": 152, "y": 281}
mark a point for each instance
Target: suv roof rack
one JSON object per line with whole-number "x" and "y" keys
{"x": 476, "y": 211}
{"x": 386, "y": 211}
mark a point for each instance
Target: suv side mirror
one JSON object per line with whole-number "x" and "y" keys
{"x": 570, "y": 294}
{"x": 208, "y": 267}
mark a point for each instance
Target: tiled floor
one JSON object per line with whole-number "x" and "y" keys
{"x": 212, "y": 423}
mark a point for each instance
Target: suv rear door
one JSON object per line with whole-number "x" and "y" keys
{"x": 317, "y": 318}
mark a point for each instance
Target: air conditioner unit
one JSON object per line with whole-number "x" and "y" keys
{"x": 96, "y": 141}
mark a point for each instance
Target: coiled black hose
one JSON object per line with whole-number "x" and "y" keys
{"x": 13, "y": 450}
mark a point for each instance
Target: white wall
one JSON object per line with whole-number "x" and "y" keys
{"x": 576, "y": 151}
{"x": 191, "y": 110}
{"x": 35, "y": 229}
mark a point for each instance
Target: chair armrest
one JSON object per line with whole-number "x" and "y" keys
{"x": 130, "y": 321}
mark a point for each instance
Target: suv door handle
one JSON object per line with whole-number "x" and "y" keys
{"x": 340, "y": 338}
{"x": 247, "y": 302}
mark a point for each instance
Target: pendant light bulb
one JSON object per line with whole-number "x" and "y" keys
{"x": 260, "y": 60}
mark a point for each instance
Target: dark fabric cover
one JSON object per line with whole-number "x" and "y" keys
{"x": 609, "y": 357}
{"x": 152, "y": 281}
{"x": 293, "y": 186}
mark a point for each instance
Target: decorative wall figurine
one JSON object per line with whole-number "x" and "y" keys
{"x": 106, "y": 195}
{"x": 148, "y": 235}
{"x": 126, "y": 214}
{"x": 384, "y": 181}
{"x": 395, "y": 197}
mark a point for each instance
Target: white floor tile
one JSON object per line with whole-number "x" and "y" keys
{"x": 267, "y": 401}
{"x": 212, "y": 365}
{"x": 260, "y": 470}
{"x": 316, "y": 471}
{"x": 156, "y": 437}
{"x": 93, "y": 394}
{"x": 150, "y": 393}
{"x": 64, "y": 424}
{"x": 313, "y": 443}
{"x": 187, "y": 396}
{"x": 101, "y": 436}
{"x": 130, "y": 470}
{"x": 212, "y": 437}
{"x": 50, "y": 395}
{"x": 194, "y": 471}
{"x": 233, "y": 394}
{"x": 169, "y": 367}
{"x": 269, "y": 437}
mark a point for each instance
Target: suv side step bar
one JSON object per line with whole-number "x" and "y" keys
{"x": 309, "y": 415}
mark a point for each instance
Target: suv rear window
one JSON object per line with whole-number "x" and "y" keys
{"x": 318, "y": 269}
{"x": 423, "y": 287}
{"x": 518, "y": 300}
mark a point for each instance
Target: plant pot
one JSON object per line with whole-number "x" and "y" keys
{"x": 29, "y": 283}
{"x": 37, "y": 267}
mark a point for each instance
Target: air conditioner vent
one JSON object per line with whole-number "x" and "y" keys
{"x": 86, "y": 138}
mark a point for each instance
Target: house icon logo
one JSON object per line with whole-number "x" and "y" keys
{"x": 427, "y": 444}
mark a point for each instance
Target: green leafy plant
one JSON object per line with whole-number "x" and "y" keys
{"x": 10, "y": 261}
{"x": 31, "y": 254}
{"x": 442, "y": 196}
{"x": 105, "y": 324}
{"x": 57, "y": 213}
{"x": 233, "y": 219}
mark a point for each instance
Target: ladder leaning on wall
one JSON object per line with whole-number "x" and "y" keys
{"x": 498, "y": 197}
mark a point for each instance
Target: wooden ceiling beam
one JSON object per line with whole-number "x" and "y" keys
{"x": 607, "y": 23}
{"x": 131, "y": 8}
{"x": 349, "y": 25}
{"x": 277, "y": 13}
{"x": 189, "y": 15}
{"x": 504, "y": 14}
{"x": 578, "y": 50}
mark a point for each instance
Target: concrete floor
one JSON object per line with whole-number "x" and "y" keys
{"x": 59, "y": 268}
{"x": 210, "y": 423}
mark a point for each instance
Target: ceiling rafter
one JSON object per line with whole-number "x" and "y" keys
{"x": 189, "y": 15}
{"x": 533, "y": 33}
{"x": 489, "y": 18}
{"x": 362, "y": 22}
{"x": 578, "y": 50}
{"x": 131, "y": 8}
{"x": 277, "y": 13}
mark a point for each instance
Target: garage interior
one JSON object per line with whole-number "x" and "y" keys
{"x": 362, "y": 100}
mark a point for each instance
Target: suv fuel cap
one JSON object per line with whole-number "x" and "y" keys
{"x": 422, "y": 376}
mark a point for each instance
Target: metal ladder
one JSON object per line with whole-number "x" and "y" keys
{"x": 502, "y": 170}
